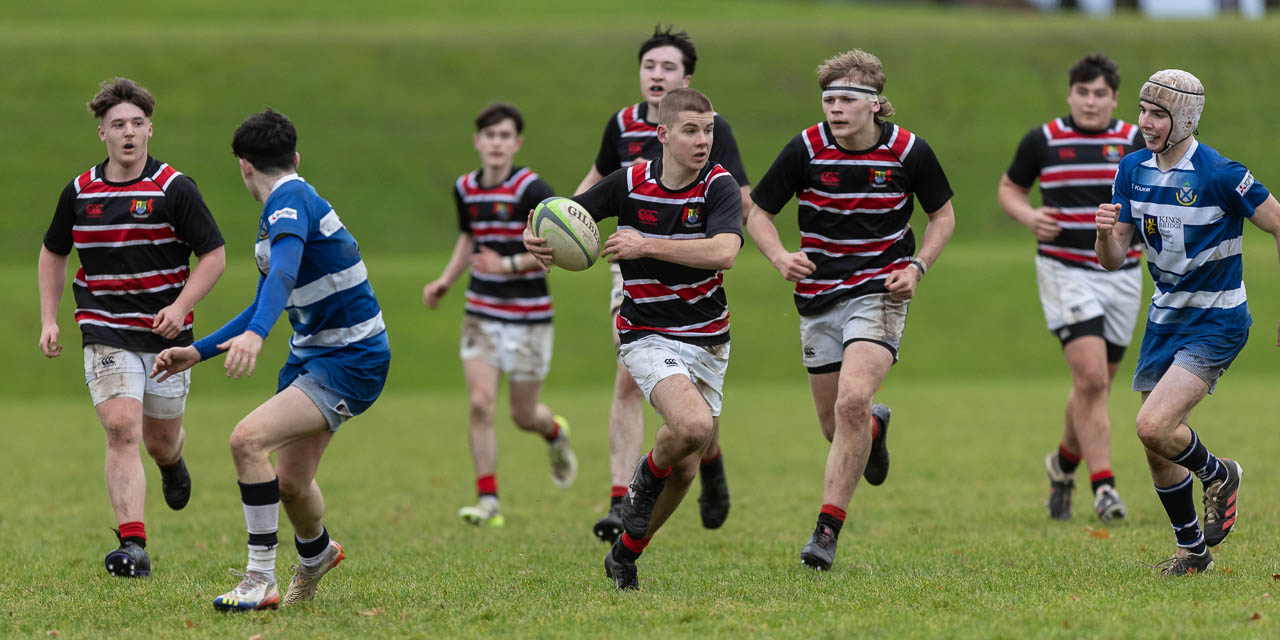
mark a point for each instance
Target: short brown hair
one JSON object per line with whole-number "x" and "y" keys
{"x": 1092, "y": 67}
{"x": 862, "y": 66}
{"x": 118, "y": 91}
{"x": 682, "y": 99}
{"x": 496, "y": 113}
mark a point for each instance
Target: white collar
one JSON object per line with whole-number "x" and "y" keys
{"x": 283, "y": 179}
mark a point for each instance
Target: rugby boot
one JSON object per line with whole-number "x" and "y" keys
{"x": 256, "y": 590}
{"x": 484, "y": 514}
{"x": 1108, "y": 505}
{"x": 175, "y": 483}
{"x": 622, "y": 571}
{"x": 1185, "y": 563}
{"x": 877, "y": 468}
{"x": 1220, "y": 504}
{"x": 130, "y": 560}
{"x": 820, "y": 552}
{"x": 1061, "y": 486}
{"x": 642, "y": 494}
{"x": 609, "y": 528}
{"x": 305, "y": 580}
{"x": 564, "y": 463}
{"x": 713, "y": 502}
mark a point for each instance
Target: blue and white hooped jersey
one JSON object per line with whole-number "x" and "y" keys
{"x": 332, "y": 307}
{"x": 1191, "y": 219}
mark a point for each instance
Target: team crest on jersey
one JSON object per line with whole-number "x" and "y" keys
{"x": 1112, "y": 152}
{"x": 262, "y": 230}
{"x": 1066, "y": 153}
{"x": 691, "y": 216}
{"x": 503, "y": 210}
{"x": 880, "y": 177}
{"x": 473, "y": 211}
{"x": 141, "y": 208}
{"x": 1186, "y": 195}
{"x": 1151, "y": 230}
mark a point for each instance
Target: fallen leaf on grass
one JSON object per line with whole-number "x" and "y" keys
{"x": 257, "y": 636}
{"x": 190, "y": 624}
{"x": 1099, "y": 533}
{"x": 371, "y": 612}
{"x": 1265, "y": 596}
{"x": 53, "y": 633}
{"x": 1066, "y": 625}
{"x": 1075, "y": 598}
{"x": 1275, "y": 576}
{"x": 1255, "y": 616}
{"x": 200, "y": 546}
{"x": 1227, "y": 570}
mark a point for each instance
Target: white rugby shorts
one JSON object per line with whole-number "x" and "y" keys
{"x": 112, "y": 372}
{"x": 652, "y": 359}
{"x": 1071, "y": 295}
{"x": 875, "y": 318}
{"x": 522, "y": 351}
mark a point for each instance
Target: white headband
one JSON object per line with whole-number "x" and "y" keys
{"x": 857, "y": 92}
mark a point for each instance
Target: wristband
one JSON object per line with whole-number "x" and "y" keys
{"x": 510, "y": 261}
{"x": 918, "y": 264}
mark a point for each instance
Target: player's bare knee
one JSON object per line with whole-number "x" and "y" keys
{"x": 244, "y": 441}
{"x": 854, "y": 410}
{"x": 1152, "y": 429}
{"x": 121, "y": 430}
{"x": 481, "y": 410}
{"x": 694, "y": 431}
{"x": 1092, "y": 385}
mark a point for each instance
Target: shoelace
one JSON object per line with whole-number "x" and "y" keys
{"x": 1211, "y": 502}
{"x": 249, "y": 580}
{"x": 1177, "y": 564}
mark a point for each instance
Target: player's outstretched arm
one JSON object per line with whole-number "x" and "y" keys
{"x": 1016, "y": 202}
{"x": 942, "y": 223}
{"x": 794, "y": 266}
{"x": 51, "y": 276}
{"x": 1112, "y": 243}
{"x": 1266, "y": 216}
{"x": 174, "y": 360}
{"x": 457, "y": 265}
{"x": 209, "y": 267}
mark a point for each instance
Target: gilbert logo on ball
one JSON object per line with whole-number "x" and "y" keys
{"x": 569, "y": 230}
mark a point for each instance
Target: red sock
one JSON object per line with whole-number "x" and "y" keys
{"x": 134, "y": 530}
{"x": 487, "y": 485}
{"x": 661, "y": 473}
{"x": 833, "y": 511}
{"x": 633, "y": 545}
{"x": 1068, "y": 455}
{"x": 555, "y": 433}
{"x": 713, "y": 457}
{"x": 1101, "y": 475}
{"x": 617, "y": 491}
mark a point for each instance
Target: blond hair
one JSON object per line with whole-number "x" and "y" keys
{"x": 682, "y": 99}
{"x": 863, "y": 67}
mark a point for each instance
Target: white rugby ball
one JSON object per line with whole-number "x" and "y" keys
{"x": 569, "y": 230}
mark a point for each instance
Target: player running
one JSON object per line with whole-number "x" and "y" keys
{"x": 667, "y": 61}
{"x": 135, "y": 222}
{"x": 310, "y": 267}
{"x": 506, "y": 327}
{"x": 857, "y": 178}
{"x": 679, "y": 228}
{"x": 1189, "y": 204}
{"x": 1092, "y": 311}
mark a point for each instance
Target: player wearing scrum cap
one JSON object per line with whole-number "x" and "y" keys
{"x": 667, "y": 60}
{"x": 679, "y": 229}
{"x": 1092, "y": 311}
{"x": 1189, "y": 204}
{"x": 857, "y": 178}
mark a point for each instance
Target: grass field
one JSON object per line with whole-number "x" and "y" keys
{"x": 955, "y": 544}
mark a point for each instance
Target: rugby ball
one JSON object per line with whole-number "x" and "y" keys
{"x": 569, "y": 230}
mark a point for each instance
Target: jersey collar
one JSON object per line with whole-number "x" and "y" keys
{"x": 289, "y": 178}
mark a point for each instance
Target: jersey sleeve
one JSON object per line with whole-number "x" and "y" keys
{"x": 607, "y": 160}
{"x": 606, "y": 197}
{"x": 724, "y": 207}
{"x": 1027, "y": 163}
{"x": 785, "y": 177}
{"x": 191, "y": 217}
{"x": 535, "y": 193}
{"x": 1120, "y": 191}
{"x": 464, "y": 223}
{"x": 1240, "y": 190}
{"x": 724, "y": 152}
{"x": 288, "y": 216}
{"x": 927, "y": 178}
{"x": 57, "y": 238}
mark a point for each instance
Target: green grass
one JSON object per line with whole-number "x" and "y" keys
{"x": 956, "y": 544}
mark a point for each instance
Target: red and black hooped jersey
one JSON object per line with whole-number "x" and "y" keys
{"x": 135, "y": 240}
{"x": 663, "y": 298}
{"x": 495, "y": 218}
{"x": 854, "y": 208}
{"x": 1076, "y": 169}
{"x": 629, "y": 138}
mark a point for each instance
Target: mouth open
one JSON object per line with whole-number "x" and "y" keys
{"x": 656, "y": 88}
{"x": 128, "y": 146}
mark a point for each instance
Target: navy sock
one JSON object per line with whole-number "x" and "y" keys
{"x": 1180, "y": 504}
{"x": 1197, "y": 458}
{"x": 311, "y": 548}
